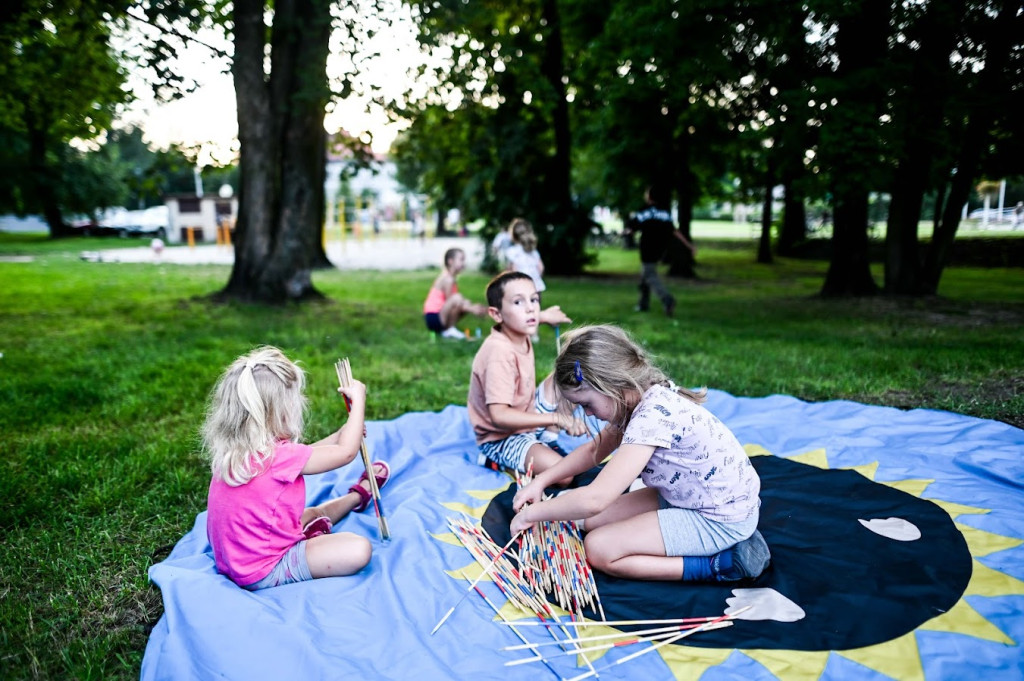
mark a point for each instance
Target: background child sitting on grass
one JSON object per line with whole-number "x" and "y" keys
{"x": 503, "y": 394}
{"x": 261, "y": 533}
{"x": 445, "y": 306}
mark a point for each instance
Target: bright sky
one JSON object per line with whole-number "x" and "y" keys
{"x": 207, "y": 117}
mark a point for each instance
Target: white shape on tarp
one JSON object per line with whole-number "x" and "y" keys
{"x": 765, "y": 604}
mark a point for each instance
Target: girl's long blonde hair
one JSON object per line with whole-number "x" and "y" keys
{"x": 522, "y": 233}
{"x": 608, "y": 360}
{"x": 257, "y": 401}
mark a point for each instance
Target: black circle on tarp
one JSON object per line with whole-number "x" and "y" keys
{"x": 856, "y": 588}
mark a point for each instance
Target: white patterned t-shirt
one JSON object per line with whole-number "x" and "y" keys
{"x": 697, "y": 462}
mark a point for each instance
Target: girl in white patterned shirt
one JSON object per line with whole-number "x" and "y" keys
{"x": 696, "y": 516}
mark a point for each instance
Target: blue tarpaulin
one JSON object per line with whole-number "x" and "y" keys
{"x": 951, "y": 487}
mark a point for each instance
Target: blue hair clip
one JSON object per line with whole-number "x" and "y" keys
{"x": 577, "y": 372}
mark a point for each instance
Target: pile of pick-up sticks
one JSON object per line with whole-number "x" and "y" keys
{"x": 552, "y": 562}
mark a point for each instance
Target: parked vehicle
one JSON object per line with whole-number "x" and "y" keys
{"x": 994, "y": 214}
{"x": 148, "y": 222}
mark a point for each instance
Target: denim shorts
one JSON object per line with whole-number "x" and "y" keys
{"x": 290, "y": 569}
{"x": 688, "y": 533}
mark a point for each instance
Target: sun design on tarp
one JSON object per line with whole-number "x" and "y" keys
{"x": 847, "y": 551}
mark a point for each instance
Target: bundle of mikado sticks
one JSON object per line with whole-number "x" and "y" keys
{"x": 549, "y": 558}
{"x": 502, "y": 570}
{"x": 553, "y": 561}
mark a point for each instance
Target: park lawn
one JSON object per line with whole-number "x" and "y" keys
{"x": 106, "y": 367}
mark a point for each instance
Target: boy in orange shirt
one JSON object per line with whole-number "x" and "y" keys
{"x": 503, "y": 395}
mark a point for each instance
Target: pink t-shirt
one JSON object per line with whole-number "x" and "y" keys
{"x": 502, "y": 374}
{"x": 252, "y": 526}
{"x": 436, "y": 299}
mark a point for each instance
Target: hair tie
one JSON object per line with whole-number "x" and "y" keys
{"x": 578, "y": 372}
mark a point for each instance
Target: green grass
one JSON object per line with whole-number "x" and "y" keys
{"x": 106, "y": 368}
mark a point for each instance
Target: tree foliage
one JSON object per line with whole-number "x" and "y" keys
{"x": 63, "y": 83}
{"x": 279, "y": 66}
{"x": 831, "y": 99}
{"x": 500, "y": 109}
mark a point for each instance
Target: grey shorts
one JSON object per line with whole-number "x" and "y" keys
{"x": 290, "y": 569}
{"x": 688, "y": 533}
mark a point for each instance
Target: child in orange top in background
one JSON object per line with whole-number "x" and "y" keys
{"x": 445, "y": 306}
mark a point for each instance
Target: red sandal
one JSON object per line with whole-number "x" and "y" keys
{"x": 365, "y": 497}
{"x": 317, "y": 526}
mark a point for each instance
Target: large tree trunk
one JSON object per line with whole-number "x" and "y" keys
{"x": 792, "y": 139}
{"x": 923, "y": 104}
{"x": 681, "y": 261}
{"x": 849, "y": 272}
{"x": 566, "y": 244}
{"x": 306, "y": 41}
{"x": 794, "y": 219}
{"x": 764, "y": 244}
{"x": 851, "y": 139}
{"x": 993, "y": 79}
{"x": 282, "y": 146}
{"x": 43, "y": 179}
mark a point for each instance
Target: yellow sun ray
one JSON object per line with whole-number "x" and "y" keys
{"x": 447, "y": 538}
{"x": 963, "y": 619}
{"x": 955, "y": 510}
{"x": 484, "y": 495}
{"x": 899, "y": 658}
{"x": 982, "y": 543}
{"x": 867, "y": 470}
{"x": 912, "y": 487}
{"x": 988, "y": 582}
{"x": 756, "y": 450}
{"x": 792, "y": 665}
{"x": 689, "y": 662}
{"x": 472, "y": 511}
{"x": 472, "y": 571}
{"x": 815, "y": 457}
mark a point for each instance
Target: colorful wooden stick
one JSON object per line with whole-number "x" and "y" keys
{"x": 616, "y": 644}
{"x": 620, "y": 634}
{"x": 344, "y": 371}
{"x": 659, "y": 644}
{"x": 504, "y": 619}
{"x": 475, "y": 581}
{"x": 616, "y": 623}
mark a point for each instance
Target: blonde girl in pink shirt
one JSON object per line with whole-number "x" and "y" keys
{"x": 260, "y": 529}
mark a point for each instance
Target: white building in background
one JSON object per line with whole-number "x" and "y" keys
{"x": 203, "y": 214}
{"x": 375, "y": 199}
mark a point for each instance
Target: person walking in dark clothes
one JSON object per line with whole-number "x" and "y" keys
{"x": 654, "y": 223}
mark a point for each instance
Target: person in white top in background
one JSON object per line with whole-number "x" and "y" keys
{"x": 523, "y": 255}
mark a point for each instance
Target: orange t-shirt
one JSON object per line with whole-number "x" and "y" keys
{"x": 502, "y": 374}
{"x": 436, "y": 299}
